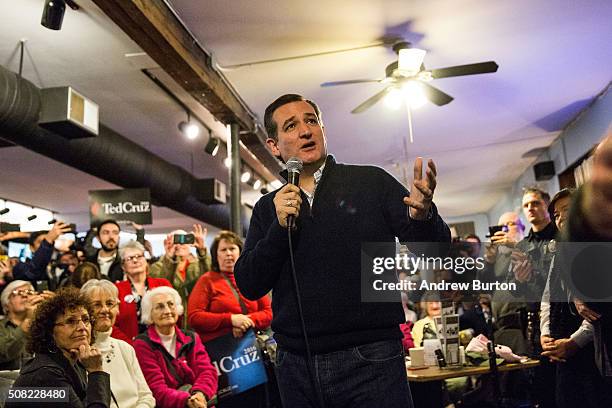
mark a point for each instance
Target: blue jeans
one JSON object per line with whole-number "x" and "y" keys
{"x": 370, "y": 375}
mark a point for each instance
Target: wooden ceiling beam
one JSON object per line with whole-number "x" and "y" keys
{"x": 155, "y": 28}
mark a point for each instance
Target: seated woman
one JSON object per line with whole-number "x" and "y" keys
{"x": 432, "y": 308}
{"x": 61, "y": 337}
{"x": 132, "y": 289}
{"x": 175, "y": 363}
{"x": 128, "y": 384}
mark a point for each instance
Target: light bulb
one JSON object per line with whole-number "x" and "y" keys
{"x": 227, "y": 162}
{"x": 257, "y": 184}
{"x": 192, "y": 131}
{"x": 246, "y": 176}
{"x": 393, "y": 99}
{"x": 413, "y": 94}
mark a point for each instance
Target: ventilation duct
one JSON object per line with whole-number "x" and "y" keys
{"x": 109, "y": 156}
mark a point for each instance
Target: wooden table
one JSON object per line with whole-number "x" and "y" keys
{"x": 426, "y": 384}
{"x": 435, "y": 373}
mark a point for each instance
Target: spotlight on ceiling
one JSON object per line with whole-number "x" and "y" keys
{"x": 189, "y": 129}
{"x": 227, "y": 162}
{"x": 4, "y": 211}
{"x": 257, "y": 184}
{"x": 246, "y": 176}
{"x": 53, "y": 13}
{"x": 212, "y": 146}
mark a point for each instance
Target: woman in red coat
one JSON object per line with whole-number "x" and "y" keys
{"x": 214, "y": 308}
{"x": 131, "y": 291}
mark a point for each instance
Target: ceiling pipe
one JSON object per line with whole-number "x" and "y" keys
{"x": 108, "y": 156}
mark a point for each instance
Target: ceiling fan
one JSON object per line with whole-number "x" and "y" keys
{"x": 408, "y": 72}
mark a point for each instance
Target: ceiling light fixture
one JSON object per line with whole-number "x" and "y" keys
{"x": 413, "y": 94}
{"x": 213, "y": 144}
{"x": 189, "y": 129}
{"x": 53, "y": 13}
{"x": 227, "y": 162}
{"x": 257, "y": 184}
{"x": 246, "y": 176}
{"x": 393, "y": 99}
{"x": 410, "y": 61}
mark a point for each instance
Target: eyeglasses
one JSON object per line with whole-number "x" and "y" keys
{"x": 109, "y": 304}
{"x": 134, "y": 258}
{"x": 23, "y": 292}
{"x": 73, "y": 322}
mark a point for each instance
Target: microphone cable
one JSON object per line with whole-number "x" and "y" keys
{"x": 310, "y": 364}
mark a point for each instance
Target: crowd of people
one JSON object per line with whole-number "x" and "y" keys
{"x": 118, "y": 328}
{"x": 132, "y": 321}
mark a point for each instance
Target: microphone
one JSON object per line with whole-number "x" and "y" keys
{"x": 294, "y": 167}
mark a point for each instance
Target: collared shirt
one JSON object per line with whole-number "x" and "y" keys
{"x": 317, "y": 177}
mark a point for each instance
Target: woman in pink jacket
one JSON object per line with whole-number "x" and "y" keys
{"x": 174, "y": 363}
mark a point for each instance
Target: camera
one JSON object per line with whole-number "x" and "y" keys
{"x": 184, "y": 238}
{"x": 495, "y": 228}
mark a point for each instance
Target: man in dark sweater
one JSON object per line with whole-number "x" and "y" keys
{"x": 357, "y": 351}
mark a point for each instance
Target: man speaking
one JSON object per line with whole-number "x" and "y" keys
{"x": 357, "y": 354}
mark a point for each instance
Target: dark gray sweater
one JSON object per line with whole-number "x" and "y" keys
{"x": 352, "y": 205}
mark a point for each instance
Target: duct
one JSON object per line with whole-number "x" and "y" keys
{"x": 109, "y": 156}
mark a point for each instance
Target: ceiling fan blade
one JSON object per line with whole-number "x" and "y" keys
{"x": 435, "y": 95}
{"x": 351, "y": 81}
{"x": 469, "y": 69}
{"x": 371, "y": 101}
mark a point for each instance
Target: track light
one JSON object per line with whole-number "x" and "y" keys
{"x": 53, "y": 13}
{"x": 246, "y": 176}
{"x": 4, "y": 211}
{"x": 212, "y": 146}
{"x": 189, "y": 129}
{"x": 257, "y": 184}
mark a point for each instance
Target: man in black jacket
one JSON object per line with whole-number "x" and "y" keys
{"x": 107, "y": 258}
{"x": 358, "y": 357}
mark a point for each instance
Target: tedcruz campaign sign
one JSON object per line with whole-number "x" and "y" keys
{"x": 129, "y": 205}
{"x": 238, "y": 362}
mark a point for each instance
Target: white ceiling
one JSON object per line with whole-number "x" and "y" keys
{"x": 554, "y": 57}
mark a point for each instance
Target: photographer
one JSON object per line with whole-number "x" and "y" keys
{"x": 19, "y": 301}
{"x": 178, "y": 264}
{"x": 41, "y": 245}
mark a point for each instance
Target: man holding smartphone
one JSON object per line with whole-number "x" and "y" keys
{"x": 41, "y": 245}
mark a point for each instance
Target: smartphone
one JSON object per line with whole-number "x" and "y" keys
{"x": 73, "y": 229}
{"x": 42, "y": 285}
{"x": 493, "y": 229}
{"x": 184, "y": 239}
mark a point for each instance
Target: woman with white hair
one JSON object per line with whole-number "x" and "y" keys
{"x": 175, "y": 363}
{"x": 179, "y": 265}
{"x": 132, "y": 289}
{"x": 128, "y": 385}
